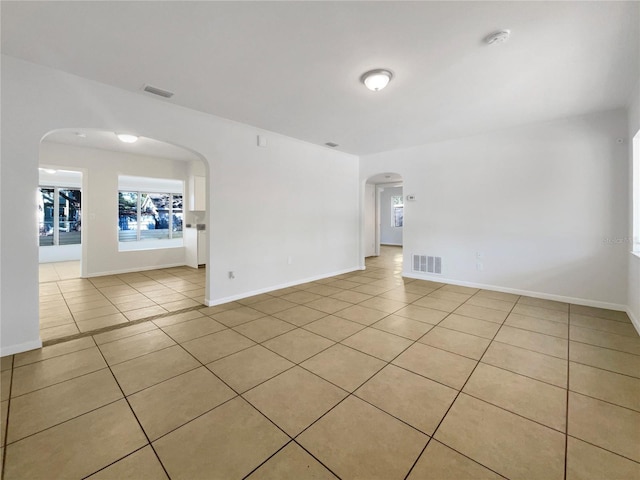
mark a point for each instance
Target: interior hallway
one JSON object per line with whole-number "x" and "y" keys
{"x": 364, "y": 375}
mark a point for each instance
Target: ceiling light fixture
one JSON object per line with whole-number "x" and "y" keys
{"x": 127, "y": 137}
{"x": 376, "y": 80}
{"x": 497, "y": 38}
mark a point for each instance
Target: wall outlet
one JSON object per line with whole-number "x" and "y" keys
{"x": 289, "y": 260}
{"x": 479, "y": 254}
{"x": 479, "y": 266}
{"x": 232, "y": 275}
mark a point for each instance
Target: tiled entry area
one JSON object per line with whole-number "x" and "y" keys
{"x": 70, "y": 305}
{"x": 361, "y": 376}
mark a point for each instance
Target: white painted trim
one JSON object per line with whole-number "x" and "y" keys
{"x": 22, "y": 347}
{"x": 528, "y": 293}
{"x": 392, "y": 244}
{"x": 136, "y": 269}
{"x": 233, "y": 298}
{"x": 634, "y": 320}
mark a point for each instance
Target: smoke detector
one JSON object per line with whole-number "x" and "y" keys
{"x": 497, "y": 38}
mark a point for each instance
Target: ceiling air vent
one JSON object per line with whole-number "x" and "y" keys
{"x": 331, "y": 144}
{"x": 427, "y": 264}
{"x": 158, "y": 91}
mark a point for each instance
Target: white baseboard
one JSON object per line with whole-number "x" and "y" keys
{"x": 240, "y": 296}
{"x": 391, "y": 244}
{"x": 136, "y": 269}
{"x": 546, "y": 296}
{"x": 21, "y": 347}
{"x": 634, "y": 319}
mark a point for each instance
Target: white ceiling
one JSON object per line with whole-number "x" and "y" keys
{"x": 109, "y": 141}
{"x": 294, "y": 67}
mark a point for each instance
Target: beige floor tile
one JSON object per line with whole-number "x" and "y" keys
{"x": 442, "y": 304}
{"x": 78, "y": 447}
{"x": 170, "y": 404}
{"x": 255, "y": 299}
{"x": 124, "y": 332}
{"x": 264, "y": 328}
{"x": 300, "y": 315}
{"x": 155, "y": 367}
{"x": 600, "y": 312}
{"x": 199, "y": 327}
{"x": 284, "y": 291}
{"x": 273, "y": 305}
{"x": 180, "y": 304}
{"x": 538, "y": 342}
{"x": 61, "y": 331}
{"x": 481, "y": 313}
{"x": 360, "y": 314}
{"x": 537, "y": 401}
{"x": 474, "y": 326}
{"x": 135, "y": 346}
{"x": 540, "y": 302}
{"x": 604, "y": 385}
{"x": 141, "y": 465}
{"x": 300, "y": 297}
{"x": 54, "y": 370}
{"x": 324, "y": 290}
{"x": 453, "y": 341}
{"x": 416, "y": 400}
{"x": 4, "y": 411}
{"x": 209, "y": 311}
{"x": 502, "y": 441}
{"x": 344, "y": 366}
{"x": 101, "y": 322}
{"x": 443, "y": 367}
{"x": 350, "y": 296}
{"x": 145, "y": 312}
{"x": 602, "y": 324}
{"x": 177, "y": 318}
{"x": 372, "y": 289}
{"x": 496, "y": 304}
{"x": 439, "y": 462}
{"x": 604, "y": 339}
{"x": 541, "y": 312}
{"x": 217, "y": 345}
{"x": 227, "y": 442}
{"x": 604, "y": 358}
{"x": 334, "y": 328}
{"x": 377, "y": 343}
{"x": 526, "y": 362}
{"x": 420, "y": 289}
{"x": 548, "y": 327}
{"x": 608, "y": 426}
{"x": 6, "y": 363}
{"x": 460, "y": 289}
{"x": 356, "y": 440}
{"x": 383, "y": 304}
{"x": 51, "y": 351}
{"x": 404, "y": 327}
{"x": 237, "y": 316}
{"x": 250, "y": 367}
{"x": 95, "y": 313}
{"x": 422, "y": 314}
{"x": 166, "y": 295}
{"x": 401, "y": 295}
{"x": 449, "y": 295}
{"x": 292, "y": 462}
{"x": 328, "y": 305}
{"x": 298, "y": 345}
{"x": 44, "y": 408}
{"x": 587, "y": 462}
{"x": 295, "y": 399}
{"x": 89, "y": 305}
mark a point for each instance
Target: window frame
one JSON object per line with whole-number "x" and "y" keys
{"x": 139, "y": 240}
{"x": 394, "y": 207}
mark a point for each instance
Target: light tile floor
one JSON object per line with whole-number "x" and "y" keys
{"x": 70, "y": 305}
{"x": 366, "y": 375}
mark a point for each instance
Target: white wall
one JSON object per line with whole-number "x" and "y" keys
{"x": 538, "y": 201}
{"x": 102, "y": 169}
{"x": 389, "y": 235}
{"x": 290, "y": 199}
{"x": 370, "y": 220}
{"x": 633, "y": 294}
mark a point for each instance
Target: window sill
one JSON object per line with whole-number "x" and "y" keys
{"x": 150, "y": 245}
{"x": 636, "y": 253}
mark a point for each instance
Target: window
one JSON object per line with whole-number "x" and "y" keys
{"x": 144, "y": 216}
{"x": 59, "y": 216}
{"x": 397, "y": 211}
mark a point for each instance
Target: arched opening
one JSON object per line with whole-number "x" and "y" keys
{"x": 138, "y": 215}
{"x": 383, "y": 219}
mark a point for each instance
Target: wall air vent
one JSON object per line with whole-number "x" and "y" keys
{"x": 427, "y": 264}
{"x": 158, "y": 91}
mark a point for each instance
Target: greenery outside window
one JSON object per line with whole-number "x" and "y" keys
{"x": 144, "y": 216}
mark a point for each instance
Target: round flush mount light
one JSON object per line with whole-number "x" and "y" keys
{"x": 497, "y": 38}
{"x": 127, "y": 137}
{"x": 376, "y": 80}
